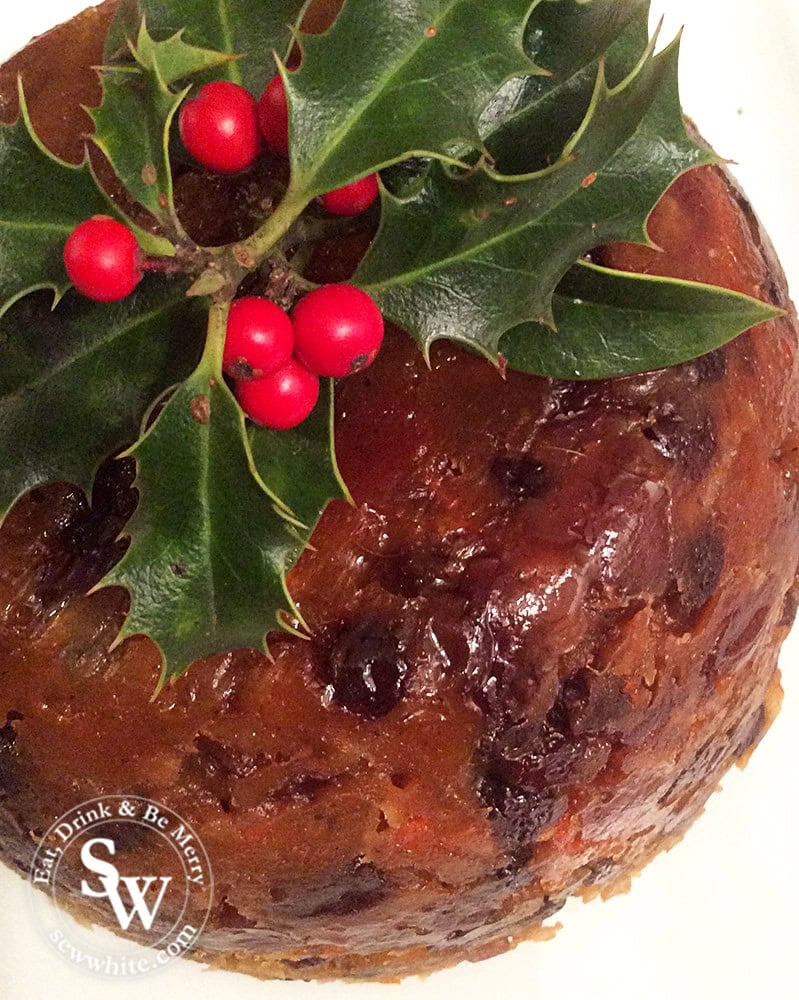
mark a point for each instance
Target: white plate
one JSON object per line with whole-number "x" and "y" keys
{"x": 715, "y": 917}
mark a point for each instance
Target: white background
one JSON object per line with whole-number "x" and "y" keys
{"x": 716, "y": 917}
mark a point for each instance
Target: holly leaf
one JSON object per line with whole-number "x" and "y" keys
{"x": 567, "y": 35}
{"x": 173, "y": 58}
{"x": 232, "y": 26}
{"x": 209, "y": 551}
{"x": 132, "y": 129}
{"x": 299, "y": 466}
{"x": 42, "y": 199}
{"x": 529, "y": 121}
{"x": 612, "y": 323}
{"x": 397, "y": 78}
{"x": 75, "y": 383}
{"x": 471, "y": 256}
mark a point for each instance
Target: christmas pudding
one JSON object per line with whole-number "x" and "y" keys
{"x": 499, "y": 646}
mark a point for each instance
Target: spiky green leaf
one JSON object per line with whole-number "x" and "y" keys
{"x": 209, "y": 548}
{"x": 174, "y": 58}
{"x": 612, "y": 323}
{"x": 251, "y": 30}
{"x": 392, "y": 79}
{"x": 469, "y": 257}
{"x": 42, "y": 199}
{"x": 132, "y": 129}
{"x": 76, "y": 382}
{"x": 530, "y": 120}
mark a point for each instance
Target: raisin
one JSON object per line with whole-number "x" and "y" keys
{"x": 214, "y": 767}
{"x": 705, "y": 764}
{"x": 593, "y": 703}
{"x": 689, "y": 441}
{"x": 519, "y": 814}
{"x": 130, "y": 836}
{"x": 741, "y": 634}
{"x": 789, "y": 606}
{"x": 750, "y": 732}
{"x": 412, "y": 571}
{"x": 520, "y": 858}
{"x": 572, "y": 398}
{"x": 363, "y": 668}
{"x": 698, "y": 574}
{"x": 521, "y": 477}
{"x": 365, "y": 888}
{"x": 536, "y": 757}
{"x": 218, "y": 759}
{"x": 89, "y": 538}
{"x": 520, "y": 873}
{"x": 303, "y": 963}
{"x": 549, "y": 908}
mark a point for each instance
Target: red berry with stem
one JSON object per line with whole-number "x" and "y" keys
{"x": 353, "y": 198}
{"x": 273, "y": 115}
{"x": 338, "y": 330}
{"x": 219, "y": 127}
{"x": 259, "y": 340}
{"x": 281, "y": 400}
{"x": 102, "y": 259}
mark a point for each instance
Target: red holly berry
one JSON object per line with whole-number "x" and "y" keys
{"x": 353, "y": 198}
{"x": 338, "y": 330}
{"x": 260, "y": 339}
{"x": 273, "y": 115}
{"x": 220, "y": 128}
{"x": 281, "y": 400}
{"x": 102, "y": 259}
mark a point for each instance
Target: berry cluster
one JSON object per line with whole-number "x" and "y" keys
{"x": 274, "y": 360}
{"x": 223, "y": 128}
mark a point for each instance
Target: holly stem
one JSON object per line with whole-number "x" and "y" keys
{"x": 215, "y": 341}
{"x": 312, "y": 230}
{"x": 168, "y": 265}
{"x": 234, "y": 262}
{"x": 263, "y": 241}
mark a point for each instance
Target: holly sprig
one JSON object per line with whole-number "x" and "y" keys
{"x": 520, "y": 147}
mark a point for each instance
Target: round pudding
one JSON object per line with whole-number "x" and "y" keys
{"x": 545, "y": 628}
